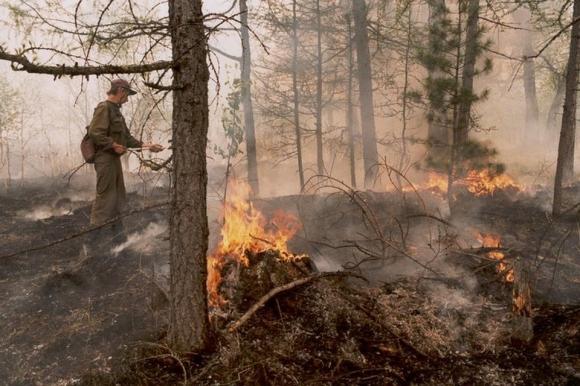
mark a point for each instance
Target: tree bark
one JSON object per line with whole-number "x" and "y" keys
{"x": 319, "y": 147}
{"x": 404, "y": 158}
{"x": 247, "y": 101}
{"x": 369, "y": 137}
{"x": 349, "y": 107}
{"x": 189, "y": 328}
{"x": 297, "y": 130}
{"x": 461, "y": 132}
{"x": 565, "y": 164}
{"x": 8, "y": 166}
{"x": 556, "y": 105}
{"x": 23, "y": 148}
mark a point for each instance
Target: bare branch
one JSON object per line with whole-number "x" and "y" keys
{"x": 21, "y": 63}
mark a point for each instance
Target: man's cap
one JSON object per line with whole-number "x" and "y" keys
{"x": 123, "y": 83}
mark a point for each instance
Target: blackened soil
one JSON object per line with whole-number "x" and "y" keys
{"x": 63, "y": 311}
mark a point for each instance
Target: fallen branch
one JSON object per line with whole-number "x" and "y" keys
{"x": 275, "y": 291}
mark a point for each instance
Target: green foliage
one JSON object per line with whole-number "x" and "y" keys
{"x": 445, "y": 56}
{"x": 474, "y": 155}
{"x": 231, "y": 122}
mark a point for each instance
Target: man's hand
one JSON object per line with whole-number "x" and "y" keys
{"x": 154, "y": 147}
{"x": 119, "y": 149}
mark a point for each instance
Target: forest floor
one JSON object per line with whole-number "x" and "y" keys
{"x": 446, "y": 318}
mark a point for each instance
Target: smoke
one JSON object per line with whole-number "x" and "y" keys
{"x": 63, "y": 206}
{"x": 44, "y": 212}
{"x": 145, "y": 241}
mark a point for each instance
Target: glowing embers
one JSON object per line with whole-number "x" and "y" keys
{"x": 245, "y": 230}
{"x": 490, "y": 240}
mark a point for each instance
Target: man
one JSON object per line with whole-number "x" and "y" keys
{"x": 111, "y": 137}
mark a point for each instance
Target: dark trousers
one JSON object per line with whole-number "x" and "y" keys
{"x": 110, "y": 199}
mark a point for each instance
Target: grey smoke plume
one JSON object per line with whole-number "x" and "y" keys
{"x": 144, "y": 241}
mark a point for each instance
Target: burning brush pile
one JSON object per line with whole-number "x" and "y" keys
{"x": 252, "y": 256}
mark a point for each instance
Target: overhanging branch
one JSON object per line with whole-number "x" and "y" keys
{"x": 21, "y": 63}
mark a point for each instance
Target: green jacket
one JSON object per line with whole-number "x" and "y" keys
{"x": 108, "y": 126}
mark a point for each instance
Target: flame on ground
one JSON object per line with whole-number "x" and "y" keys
{"x": 246, "y": 229}
{"x": 437, "y": 181}
{"x": 478, "y": 182}
{"x": 490, "y": 240}
{"x": 484, "y": 182}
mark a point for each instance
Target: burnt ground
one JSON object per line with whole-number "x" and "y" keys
{"x": 69, "y": 318}
{"x": 63, "y": 312}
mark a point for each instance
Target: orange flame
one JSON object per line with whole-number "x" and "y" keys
{"x": 484, "y": 182}
{"x": 490, "y": 240}
{"x": 479, "y": 183}
{"x": 437, "y": 181}
{"x": 246, "y": 229}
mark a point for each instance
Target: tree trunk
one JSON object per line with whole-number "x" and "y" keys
{"x": 556, "y": 105}
{"x": 8, "y": 166}
{"x": 530, "y": 86}
{"x": 189, "y": 329}
{"x": 319, "y": 148}
{"x": 22, "y": 148}
{"x": 349, "y": 107}
{"x": 453, "y": 157}
{"x": 297, "y": 129}
{"x": 247, "y": 101}
{"x": 461, "y": 132}
{"x": 565, "y": 164}
{"x": 369, "y": 137}
{"x": 404, "y": 158}
{"x": 529, "y": 131}
{"x": 438, "y": 130}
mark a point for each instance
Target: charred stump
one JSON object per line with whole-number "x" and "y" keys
{"x": 522, "y": 328}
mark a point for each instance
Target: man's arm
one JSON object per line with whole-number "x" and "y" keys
{"x": 133, "y": 142}
{"x": 99, "y": 127}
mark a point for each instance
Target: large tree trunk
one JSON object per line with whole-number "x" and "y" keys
{"x": 367, "y": 116}
{"x": 319, "y": 148}
{"x": 461, "y": 132}
{"x": 297, "y": 130}
{"x": 189, "y": 329}
{"x": 247, "y": 101}
{"x": 565, "y": 164}
{"x": 349, "y": 107}
{"x": 438, "y": 130}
